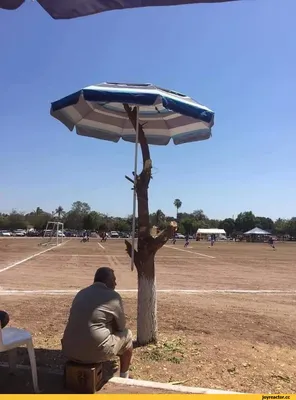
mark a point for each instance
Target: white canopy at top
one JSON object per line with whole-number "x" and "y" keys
{"x": 257, "y": 231}
{"x": 211, "y": 231}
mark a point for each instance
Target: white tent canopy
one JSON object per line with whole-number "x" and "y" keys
{"x": 211, "y": 231}
{"x": 257, "y": 231}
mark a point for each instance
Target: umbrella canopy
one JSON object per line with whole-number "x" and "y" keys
{"x": 257, "y": 231}
{"x": 98, "y": 111}
{"x": 11, "y": 4}
{"x": 67, "y": 9}
{"x": 103, "y": 112}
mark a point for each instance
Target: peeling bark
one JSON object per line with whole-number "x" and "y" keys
{"x": 144, "y": 255}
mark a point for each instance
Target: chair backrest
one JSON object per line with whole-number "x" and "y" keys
{"x": 1, "y": 341}
{"x": 4, "y": 317}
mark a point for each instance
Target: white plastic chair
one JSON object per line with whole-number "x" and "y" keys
{"x": 10, "y": 339}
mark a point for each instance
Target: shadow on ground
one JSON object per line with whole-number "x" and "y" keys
{"x": 50, "y": 364}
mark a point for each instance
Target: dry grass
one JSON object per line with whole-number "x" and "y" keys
{"x": 242, "y": 342}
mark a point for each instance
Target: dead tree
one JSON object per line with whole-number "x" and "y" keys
{"x": 144, "y": 255}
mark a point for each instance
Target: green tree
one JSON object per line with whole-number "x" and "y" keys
{"x": 59, "y": 211}
{"x": 129, "y": 220}
{"x": 281, "y": 227}
{"x": 158, "y": 219}
{"x": 103, "y": 227}
{"x": 4, "y": 224}
{"x": 92, "y": 221}
{"x": 199, "y": 215}
{"x": 80, "y": 207}
{"x": 188, "y": 225}
{"x": 245, "y": 221}
{"x": 203, "y": 224}
{"x": 122, "y": 225}
{"x": 213, "y": 223}
{"x": 228, "y": 225}
{"x": 178, "y": 205}
{"x": 74, "y": 219}
{"x": 16, "y": 220}
{"x": 291, "y": 227}
{"x": 264, "y": 223}
{"x": 38, "y": 211}
{"x": 38, "y": 219}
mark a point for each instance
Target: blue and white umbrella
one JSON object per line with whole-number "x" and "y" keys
{"x": 99, "y": 111}
{"x": 67, "y": 9}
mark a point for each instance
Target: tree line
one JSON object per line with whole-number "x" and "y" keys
{"x": 81, "y": 217}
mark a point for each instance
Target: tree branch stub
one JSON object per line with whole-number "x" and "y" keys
{"x": 161, "y": 239}
{"x": 146, "y": 243}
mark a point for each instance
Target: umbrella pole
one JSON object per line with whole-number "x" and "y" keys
{"x": 135, "y": 192}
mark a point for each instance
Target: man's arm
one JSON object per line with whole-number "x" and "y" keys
{"x": 119, "y": 315}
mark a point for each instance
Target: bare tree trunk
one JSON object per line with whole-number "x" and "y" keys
{"x": 147, "y": 300}
{"x": 147, "y": 247}
{"x": 147, "y": 304}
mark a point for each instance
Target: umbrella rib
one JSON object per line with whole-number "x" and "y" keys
{"x": 92, "y": 109}
{"x": 87, "y": 114}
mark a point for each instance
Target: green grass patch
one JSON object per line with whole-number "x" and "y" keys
{"x": 172, "y": 351}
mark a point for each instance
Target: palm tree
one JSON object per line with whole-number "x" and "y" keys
{"x": 159, "y": 218}
{"x": 59, "y": 211}
{"x": 38, "y": 211}
{"x": 177, "y": 204}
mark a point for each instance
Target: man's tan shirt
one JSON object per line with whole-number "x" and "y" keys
{"x": 96, "y": 314}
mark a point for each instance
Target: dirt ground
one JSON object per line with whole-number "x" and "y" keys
{"x": 227, "y": 333}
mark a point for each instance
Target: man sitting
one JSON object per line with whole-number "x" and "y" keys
{"x": 96, "y": 330}
{"x": 4, "y": 318}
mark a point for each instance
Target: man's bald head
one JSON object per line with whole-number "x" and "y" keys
{"x": 105, "y": 275}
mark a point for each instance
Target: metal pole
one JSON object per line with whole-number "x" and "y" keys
{"x": 135, "y": 193}
{"x": 57, "y": 233}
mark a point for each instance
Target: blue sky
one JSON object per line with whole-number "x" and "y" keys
{"x": 237, "y": 58}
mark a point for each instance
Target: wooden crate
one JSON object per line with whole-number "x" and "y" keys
{"x": 83, "y": 378}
